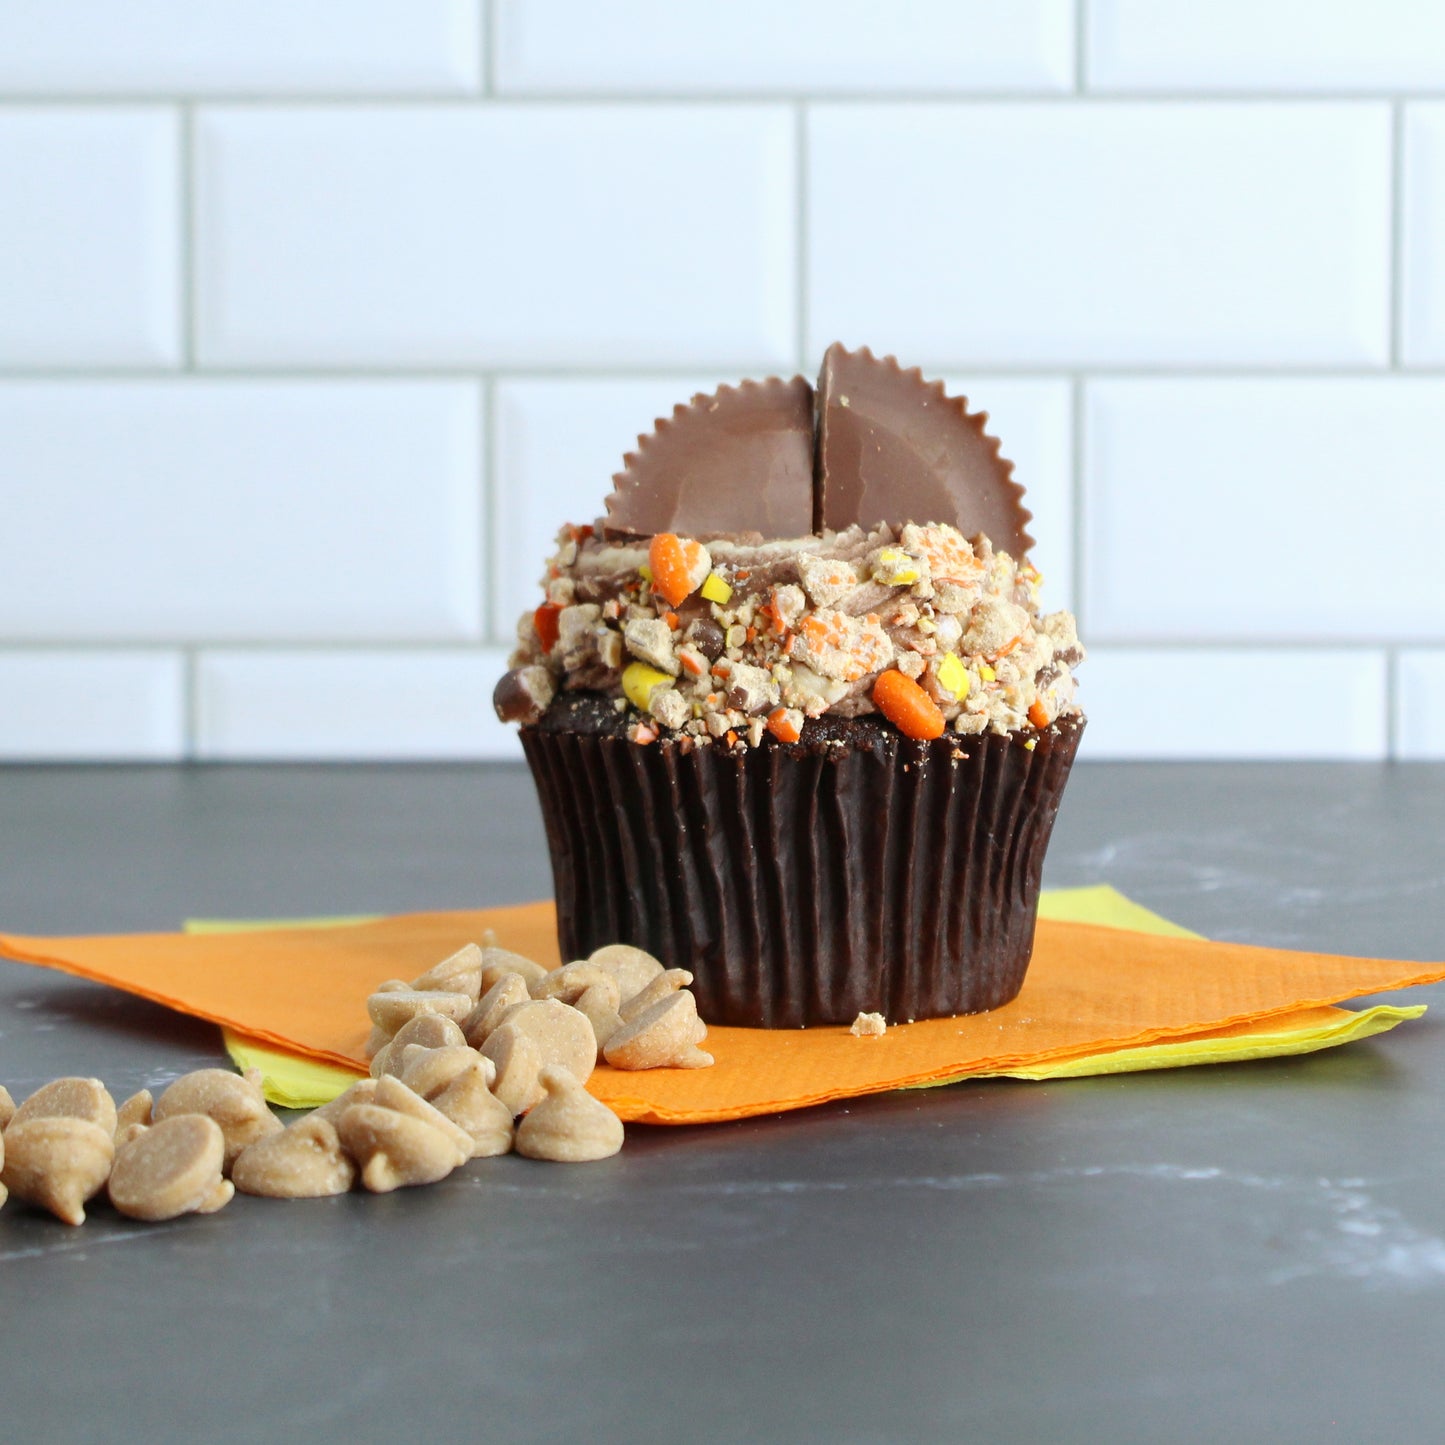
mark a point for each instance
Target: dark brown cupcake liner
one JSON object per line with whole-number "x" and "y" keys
{"x": 857, "y": 871}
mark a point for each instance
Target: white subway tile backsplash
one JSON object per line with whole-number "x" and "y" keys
{"x": 90, "y": 230}
{"x": 199, "y": 509}
{"x": 1420, "y": 704}
{"x": 88, "y": 705}
{"x": 556, "y": 446}
{"x": 1102, "y": 233}
{"x": 1273, "y": 509}
{"x": 1033, "y": 418}
{"x": 509, "y": 235}
{"x": 1233, "y": 703}
{"x": 651, "y": 46}
{"x": 209, "y": 47}
{"x": 1277, "y": 45}
{"x": 361, "y": 704}
{"x": 1422, "y": 319}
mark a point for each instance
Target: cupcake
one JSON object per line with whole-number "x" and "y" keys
{"x": 796, "y": 721}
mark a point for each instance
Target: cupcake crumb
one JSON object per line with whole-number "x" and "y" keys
{"x": 869, "y": 1026}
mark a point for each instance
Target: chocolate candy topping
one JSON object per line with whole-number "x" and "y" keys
{"x": 887, "y": 447}
{"x": 895, "y": 448}
{"x": 740, "y": 460}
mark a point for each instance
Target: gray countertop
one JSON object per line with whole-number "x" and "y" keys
{"x": 1245, "y": 1251}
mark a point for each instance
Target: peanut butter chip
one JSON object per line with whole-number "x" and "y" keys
{"x": 598, "y": 1006}
{"x": 57, "y": 1161}
{"x": 657, "y": 988}
{"x": 304, "y": 1161}
{"x": 568, "y": 1125}
{"x": 235, "y": 1103}
{"x": 391, "y": 1093}
{"x": 518, "y": 1063}
{"x": 461, "y": 973}
{"x": 427, "y": 1072}
{"x": 664, "y": 1037}
{"x": 497, "y": 961}
{"x": 363, "y": 1091}
{"x": 394, "y": 1150}
{"x": 635, "y": 967}
{"x": 171, "y": 1169}
{"x": 562, "y": 1035}
{"x": 393, "y": 1010}
{"x": 124, "y": 1133}
{"x": 135, "y": 1110}
{"x": 431, "y": 1031}
{"x": 469, "y": 1103}
{"x": 572, "y": 980}
{"x": 507, "y": 992}
{"x": 73, "y": 1098}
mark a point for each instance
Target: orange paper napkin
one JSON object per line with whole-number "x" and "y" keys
{"x": 1089, "y": 989}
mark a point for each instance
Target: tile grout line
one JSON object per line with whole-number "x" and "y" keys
{"x": 187, "y": 238}
{"x": 453, "y": 99}
{"x": 1397, "y": 233}
{"x": 800, "y": 221}
{"x": 191, "y": 705}
{"x": 1076, "y": 494}
{"x": 488, "y": 41}
{"x": 1392, "y": 703}
{"x": 487, "y": 513}
{"x": 376, "y": 371}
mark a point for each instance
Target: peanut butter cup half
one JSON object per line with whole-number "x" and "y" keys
{"x": 736, "y": 461}
{"x": 895, "y": 448}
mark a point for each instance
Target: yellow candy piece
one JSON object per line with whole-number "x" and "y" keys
{"x": 953, "y": 676}
{"x": 645, "y": 572}
{"x": 987, "y": 673}
{"x": 638, "y": 681}
{"x": 716, "y": 590}
{"x": 895, "y": 568}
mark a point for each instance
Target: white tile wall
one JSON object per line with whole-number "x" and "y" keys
{"x": 316, "y": 320}
{"x": 644, "y": 47}
{"x": 1123, "y": 234}
{"x": 90, "y": 236}
{"x": 218, "y": 47}
{"x": 196, "y": 509}
{"x": 1277, "y": 45}
{"x": 1267, "y": 508}
{"x": 114, "y": 706}
{"x": 282, "y": 705}
{"x": 506, "y": 236}
{"x": 1236, "y": 703}
{"x": 1423, "y": 239}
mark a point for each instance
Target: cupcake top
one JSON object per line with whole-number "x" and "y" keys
{"x": 772, "y": 554}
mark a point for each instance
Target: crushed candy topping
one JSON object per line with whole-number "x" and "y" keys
{"x": 737, "y": 640}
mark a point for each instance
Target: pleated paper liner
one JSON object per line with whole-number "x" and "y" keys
{"x": 859, "y": 871}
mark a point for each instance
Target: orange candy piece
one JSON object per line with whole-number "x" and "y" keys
{"x": 907, "y": 706}
{"x": 545, "y": 620}
{"x": 782, "y": 726}
{"x": 1038, "y": 714}
{"x": 679, "y": 566}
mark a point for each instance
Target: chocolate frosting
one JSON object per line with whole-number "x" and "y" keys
{"x": 894, "y": 448}
{"x": 739, "y": 460}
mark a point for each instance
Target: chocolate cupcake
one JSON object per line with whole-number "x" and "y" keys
{"x": 795, "y": 719}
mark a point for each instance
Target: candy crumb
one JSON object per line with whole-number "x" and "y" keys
{"x": 868, "y": 1026}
